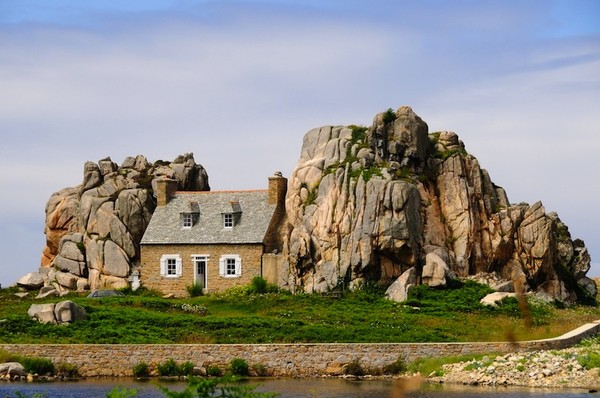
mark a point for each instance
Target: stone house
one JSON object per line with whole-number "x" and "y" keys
{"x": 216, "y": 239}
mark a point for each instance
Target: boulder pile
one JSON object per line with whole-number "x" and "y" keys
{"x": 534, "y": 369}
{"x": 93, "y": 230}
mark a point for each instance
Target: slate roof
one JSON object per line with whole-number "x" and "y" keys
{"x": 252, "y": 215}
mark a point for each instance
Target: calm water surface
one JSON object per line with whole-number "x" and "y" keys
{"x": 287, "y": 388}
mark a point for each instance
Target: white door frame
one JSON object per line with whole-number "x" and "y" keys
{"x": 197, "y": 259}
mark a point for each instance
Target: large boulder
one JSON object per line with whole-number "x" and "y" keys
{"x": 31, "y": 281}
{"x": 59, "y": 313}
{"x": 43, "y": 313}
{"x": 67, "y": 312}
{"x": 435, "y": 271}
{"x": 493, "y": 299}
{"x": 12, "y": 369}
{"x": 398, "y": 291}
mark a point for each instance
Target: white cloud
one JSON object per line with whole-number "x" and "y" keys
{"x": 239, "y": 89}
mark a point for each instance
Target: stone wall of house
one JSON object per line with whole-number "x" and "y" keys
{"x": 272, "y": 265}
{"x": 279, "y": 359}
{"x": 150, "y": 275}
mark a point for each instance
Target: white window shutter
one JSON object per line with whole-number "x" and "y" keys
{"x": 222, "y": 266}
{"x": 238, "y": 266}
{"x": 178, "y": 267}
{"x": 163, "y": 266}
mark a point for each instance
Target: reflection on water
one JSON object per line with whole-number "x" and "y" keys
{"x": 289, "y": 388}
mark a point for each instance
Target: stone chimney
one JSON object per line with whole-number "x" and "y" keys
{"x": 165, "y": 188}
{"x": 277, "y": 189}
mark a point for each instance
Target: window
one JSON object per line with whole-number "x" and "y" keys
{"x": 170, "y": 266}
{"x": 186, "y": 220}
{"x": 228, "y": 220}
{"x": 230, "y": 266}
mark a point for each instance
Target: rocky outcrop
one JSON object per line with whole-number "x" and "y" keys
{"x": 93, "y": 230}
{"x": 367, "y": 204}
{"x": 57, "y": 314}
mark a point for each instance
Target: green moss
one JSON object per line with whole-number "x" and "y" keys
{"x": 448, "y": 154}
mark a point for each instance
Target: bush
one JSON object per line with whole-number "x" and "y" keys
{"x": 9, "y": 357}
{"x": 395, "y": 367}
{"x": 354, "y": 368}
{"x": 589, "y": 360}
{"x": 168, "y": 368}
{"x": 194, "y": 290}
{"x": 141, "y": 369}
{"x": 186, "y": 369}
{"x": 239, "y": 367}
{"x": 213, "y": 370}
{"x": 37, "y": 365}
{"x": 67, "y": 370}
{"x": 258, "y": 285}
{"x": 389, "y": 116}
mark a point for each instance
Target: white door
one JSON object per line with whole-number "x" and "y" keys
{"x": 200, "y": 269}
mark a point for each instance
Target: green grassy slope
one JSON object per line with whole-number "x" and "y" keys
{"x": 430, "y": 315}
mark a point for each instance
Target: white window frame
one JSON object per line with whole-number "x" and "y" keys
{"x": 228, "y": 220}
{"x": 223, "y": 269}
{"x": 164, "y": 266}
{"x": 187, "y": 220}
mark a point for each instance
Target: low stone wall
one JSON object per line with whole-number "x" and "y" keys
{"x": 279, "y": 359}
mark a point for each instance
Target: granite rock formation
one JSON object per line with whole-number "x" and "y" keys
{"x": 93, "y": 230}
{"x": 367, "y": 204}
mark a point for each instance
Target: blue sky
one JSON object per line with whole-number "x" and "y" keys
{"x": 238, "y": 83}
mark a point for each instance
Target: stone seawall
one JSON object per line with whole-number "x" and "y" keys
{"x": 295, "y": 360}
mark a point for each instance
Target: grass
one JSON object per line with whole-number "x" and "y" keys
{"x": 238, "y": 316}
{"x": 433, "y": 365}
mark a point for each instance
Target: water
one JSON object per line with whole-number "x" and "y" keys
{"x": 287, "y": 388}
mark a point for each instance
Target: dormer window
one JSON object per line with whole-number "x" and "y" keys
{"x": 186, "y": 220}
{"x": 228, "y": 220}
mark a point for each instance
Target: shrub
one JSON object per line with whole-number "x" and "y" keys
{"x": 194, "y": 290}
{"x": 239, "y": 367}
{"x": 37, "y": 365}
{"x": 258, "y": 285}
{"x": 67, "y": 370}
{"x": 354, "y": 368}
{"x": 141, "y": 369}
{"x": 389, "y": 116}
{"x": 168, "y": 368}
{"x": 8, "y": 357}
{"x": 589, "y": 360}
{"x": 213, "y": 370}
{"x": 186, "y": 369}
{"x": 396, "y": 367}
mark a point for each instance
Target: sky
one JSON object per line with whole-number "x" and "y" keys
{"x": 239, "y": 83}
